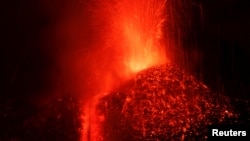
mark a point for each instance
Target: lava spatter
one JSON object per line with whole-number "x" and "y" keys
{"x": 160, "y": 103}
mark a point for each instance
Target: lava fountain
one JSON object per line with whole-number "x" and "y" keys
{"x": 130, "y": 35}
{"x": 153, "y": 101}
{"x": 133, "y": 29}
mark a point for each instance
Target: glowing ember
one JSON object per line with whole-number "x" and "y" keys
{"x": 161, "y": 103}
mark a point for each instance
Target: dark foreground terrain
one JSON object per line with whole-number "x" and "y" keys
{"x": 160, "y": 103}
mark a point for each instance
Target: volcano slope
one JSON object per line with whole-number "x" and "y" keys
{"x": 161, "y": 103}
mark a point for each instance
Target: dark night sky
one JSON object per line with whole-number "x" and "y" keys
{"x": 27, "y": 61}
{"x": 24, "y": 62}
{"x": 226, "y": 39}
